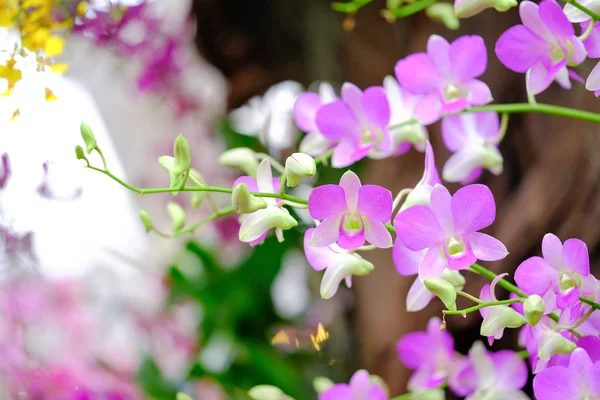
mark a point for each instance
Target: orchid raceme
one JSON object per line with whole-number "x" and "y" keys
{"x": 446, "y": 76}
{"x": 351, "y": 213}
{"x": 542, "y": 47}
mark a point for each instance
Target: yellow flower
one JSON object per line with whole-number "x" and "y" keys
{"x": 11, "y": 74}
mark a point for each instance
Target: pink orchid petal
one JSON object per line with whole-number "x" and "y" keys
{"x": 351, "y": 242}
{"x": 553, "y": 252}
{"x": 319, "y": 258}
{"x": 462, "y": 164}
{"x": 339, "y": 391}
{"x": 581, "y": 363}
{"x": 418, "y": 228}
{"x": 461, "y": 261}
{"x": 249, "y": 181}
{"x": 350, "y": 182}
{"x": 315, "y": 144}
{"x": 327, "y": 232}
{"x": 478, "y": 93}
{"x": 349, "y": 151}
{"x": 429, "y": 109}
{"x": 519, "y": 48}
{"x": 485, "y": 295}
{"x": 535, "y": 275}
{"x": 539, "y": 79}
{"x": 376, "y": 107}
{"x": 592, "y": 42}
{"x": 433, "y": 263}
{"x": 413, "y": 349}
{"x": 258, "y": 240}
{"x": 555, "y": 383}
{"x": 305, "y": 111}
{"x": 376, "y": 233}
{"x": 375, "y": 202}
{"x": 455, "y": 105}
{"x": 593, "y": 80}
{"x": 576, "y": 256}
{"x": 406, "y": 261}
{"x": 595, "y": 380}
{"x": 530, "y": 15}
{"x": 326, "y": 201}
{"x": 474, "y": 208}
{"x": 555, "y": 19}
{"x": 454, "y": 134}
{"x": 430, "y": 174}
{"x": 418, "y": 74}
{"x": 488, "y": 124}
{"x": 511, "y": 369}
{"x": 418, "y": 296}
{"x": 438, "y": 49}
{"x": 468, "y": 56}
{"x": 486, "y": 247}
{"x": 352, "y": 95}
{"x": 336, "y": 121}
{"x": 566, "y": 299}
{"x": 441, "y": 204}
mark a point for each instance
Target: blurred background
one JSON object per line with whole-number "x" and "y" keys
{"x": 91, "y": 301}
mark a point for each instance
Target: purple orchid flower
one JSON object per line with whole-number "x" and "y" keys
{"x": 487, "y": 375}
{"x": 351, "y": 213}
{"x": 256, "y": 226}
{"x": 565, "y": 269}
{"x": 431, "y": 354}
{"x": 474, "y": 139}
{"x": 580, "y": 380}
{"x": 161, "y": 67}
{"x": 5, "y": 170}
{"x": 446, "y": 76}
{"x": 341, "y": 264}
{"x": 358, "y": 122}
{"x": 359, "y": 388}
{"x": 305, "y": 114}
{"x": 448, "y": 229}
{"x": 542, "y": 47}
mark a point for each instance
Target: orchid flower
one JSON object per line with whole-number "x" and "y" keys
{"x": 448, "y": 229}
{"x": 305, "y": 115}
{"x": 340, "y": 263}
{"x": 270, "y": 116}
{"x": 358, "y": 123}
{"x": 351, "y": 213}
{"x": 360, "y": 388}
{"x": 446, "y": 76}
{"x": 542, "y": 47}
{"x": 474, "y": 139}
{"x": 431, "y": 354}
{"x": 564, "y": 269}
{"x": 5, "y": 170}
{"x": 256, "y": 226}
{"x": 580, "y": 380}
{"x": 490, "y": 376}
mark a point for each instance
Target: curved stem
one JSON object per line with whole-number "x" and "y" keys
{"x": 491, "y": 276}
{"x": 483, "y": 305}
{"x": 469, "y": 296}
{"x": 538, "y": 108}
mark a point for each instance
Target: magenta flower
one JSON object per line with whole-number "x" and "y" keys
{"x": 580, "y": 380}
{"x": 4, "y": 170}
{"x": 487, "y": 375}
{"x": 351, "y": 213}
{"x": 448, "y": 229}
{"x": 565, "y": 269}
{"x": 358, "y": 123}
{"x": 359, "y": 388}
{"x": 542, "y": 47}
{"x": 341, "y": 264}
{"x": 474, "y": 139}
{"x": 446, "y": 76}
{"x": 431, "y": 354}
{"x": 305, "y": 115}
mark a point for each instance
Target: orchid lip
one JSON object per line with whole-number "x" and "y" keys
{"x": 455, "y": 247}
{"x": 452, "y": 92}
{"x": 352, "y": 223}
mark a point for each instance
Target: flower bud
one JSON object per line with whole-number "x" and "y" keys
{"x": 183, "y": 396}
{"x": 454, "y": 278}
{"x": 145, "y": 217}
{"x": 498, "y": 318}
{"x": 79, "y": 153}
{"x": 245, "y": 203}
{"x": 469, "y": 8}
{"x": 321, "y": 384}
{"x": 182, "y": 157}
{"x": 242, "y": 158}
{"x": 420, "y": 195}
{"x": 197, "y": 181}
{"x": 267, "y": 392}
{"x": 444, "y": 13}
{"x": 298, "y": 166}
{"x": 168, "y": 163}
{"x": 534, "y": 308}
{"x": 350, "y": 265}
{"x": 553, "y": 343}
{"x": 177, "y": 216}
{"x": 444, "y": 290}
{"x": 261, "y": 221}
{"x": 88, "y": 137}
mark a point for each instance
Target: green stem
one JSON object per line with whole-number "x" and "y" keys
{"x": 503, "y": 283}
{"x": 483, "y": 305}
{"x": 468, "y": 296}
{"x": 350, "y": 7}
{"x": 586, "y": 10}
{"x": 190, "y": 229}
{"x": 590, "y": 302}
{"x": 410, "y": 9}
{"x": 588, "y": 30}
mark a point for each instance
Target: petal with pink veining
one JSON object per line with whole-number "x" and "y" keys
{"x": 468, "y": 56}
{"x": 327, "y": 232}
{"x": 327, "y": 201}
{"x": 535, "y": 275}
{"x": 555, "y": 19}
{"x": 375, "y": 202}
{"x": 473, "y": 207}
{"x": 376, "y": 107}
{"x": 418, "y": 228}
{"x": 305, "y": 111}
{"x": 418, "y": 74}
{"x": 351, "y": 184}
{"x": 441, "y": 204}
{"x": 376, "y": 233}
{"x": 406, "y": 261}
{"x": 576, "y": 256}
{"x": 336, "y": 121}
{"x": 553, "y": 252}
{"x": 486, "y": 247}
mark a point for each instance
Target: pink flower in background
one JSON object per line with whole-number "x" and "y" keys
{"x": 431, "y": 354}
{"x": 564, "y": 269}
{"x": 446, "y": 76}
{"x": 358, "y": 123}
{"x": 305, "y": 114}
{"x": 543, "y": 46}
{"x": 4, "y": 170}
{"x": 360, "y": 387}
{"x": 340, "y": 264}
{"x": 448, "y": 229}
{"x": 351, "y": 213}
{"x": 579, "y": 380}
{"x": 474, "y": 139}
{"x": 488, "y": 375}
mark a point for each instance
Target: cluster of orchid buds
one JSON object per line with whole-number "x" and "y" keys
{"x": 435, "y": 236}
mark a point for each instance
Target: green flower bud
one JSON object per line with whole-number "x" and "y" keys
{"x": 534, "y": 308}
{"x": 351, "y": 264}
{"x": 197, "y": 181}
{"x": 79, "y": 153}
{"x": 553, "y": 343}
{"x": 444, "y": 13}
{"x": 260, "y": 221}
{"x": 500, "y": 317}
{"x": 145, "y": 217}
{"x": 183, "y": 396}
{"x": 321, "y": 384}
{"x": 88, "y": 137}
{"x": 444, "y": 290}
{"x": 175, "y": 180}
{"x": 182, "y": 157}
{"x": 177, "y": 216}
{"x": 469, "y": 8}
{"x": 267, "y": 392}
{"x": 454, "y": 278}
{"x": 298, "y": 166}
{"x": 242, "y": 158}
{"x": 245, "y": 203}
